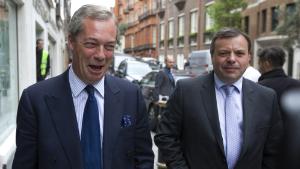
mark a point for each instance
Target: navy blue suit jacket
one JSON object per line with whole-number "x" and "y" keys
{"x": 47, "y": 132}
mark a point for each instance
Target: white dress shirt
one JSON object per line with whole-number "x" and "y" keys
{"x": 80, "y": 97}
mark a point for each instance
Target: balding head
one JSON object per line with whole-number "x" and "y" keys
{"x": 169, "y": 61}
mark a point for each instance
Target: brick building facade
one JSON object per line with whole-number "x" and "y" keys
{"x": 158, "y": 28}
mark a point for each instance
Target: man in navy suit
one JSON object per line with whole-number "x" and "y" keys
{"x": 51, "y": 113}
{"x": 207, "y": 127}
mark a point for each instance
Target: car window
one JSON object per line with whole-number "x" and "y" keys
{"x": 149, "y": 79}
{"x": 122, "y": 67}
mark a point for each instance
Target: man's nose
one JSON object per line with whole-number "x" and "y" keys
{"x": 100, "y": 51}
{"x": 231, "y": 57}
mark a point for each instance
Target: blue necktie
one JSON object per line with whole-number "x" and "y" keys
{"x": 170, "y": 76}
{"x": 90, "y": 132}
{"x": 232, "y": 129}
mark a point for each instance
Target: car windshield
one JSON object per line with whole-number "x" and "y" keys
{"x": 138, "y": 69}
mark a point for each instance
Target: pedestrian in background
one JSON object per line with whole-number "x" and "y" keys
{"x": 222, "y": 120}
{"x": 42, "y": 61}
{"x": 164, "y": 81}
{"x": 271, "y": 61}
{"x": 83, "y": 118}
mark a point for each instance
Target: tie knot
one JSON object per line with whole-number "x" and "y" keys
{"x": 228, "y": 89}
{"x": 90, "y": 89}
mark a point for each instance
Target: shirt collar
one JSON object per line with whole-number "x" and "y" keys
{"x": 77, "y": 85}
{"x": 219, "y": 83}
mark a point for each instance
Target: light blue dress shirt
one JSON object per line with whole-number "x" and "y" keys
{"x": 221, "y": 96}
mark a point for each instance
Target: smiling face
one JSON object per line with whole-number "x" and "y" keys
{"x": 93, "y": 49}
{"x": 231, "y": 58}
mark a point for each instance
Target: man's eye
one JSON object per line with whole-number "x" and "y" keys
{"x": 223, "y": 53}
{"x": 89, "y": 45}
{"x": 109, "y": 47}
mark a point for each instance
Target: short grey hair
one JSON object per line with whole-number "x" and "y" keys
{"x": 94, "y": 12}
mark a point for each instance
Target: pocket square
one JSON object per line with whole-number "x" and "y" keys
{"x": 126, "y": 121}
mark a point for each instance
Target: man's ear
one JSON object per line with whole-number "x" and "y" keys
{"x": 71, "y": 42}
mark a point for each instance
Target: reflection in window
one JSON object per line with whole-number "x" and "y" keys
{"x": 8, "y": 68}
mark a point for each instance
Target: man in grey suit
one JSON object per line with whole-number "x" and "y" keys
{"x": 164, "y": 81}
{"x": 207, "y": 127}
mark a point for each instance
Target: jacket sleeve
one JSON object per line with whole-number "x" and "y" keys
{"x": 169, "y": 132}
{"x": 144, "y": 155}
{"x": 26, "y": 135}
{"x": 273, "y": 145}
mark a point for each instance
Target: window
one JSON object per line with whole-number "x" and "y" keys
{"x": 8, "y": 68}
{"x": 208, "y": 34}
{"x": 208, "y": 21}
{"x": 132, "y": 41}
{"x": 275, "y": 19}
{"x": 163, "y": 3}
{"x": 246, "y": 24}
{"x": 180, "y": 37}
{"x": 154, "y": 36}
{"x": 171, "y": 29}
{"x": 162, "y": 35}
{"x": 153, "y": 5}
{"x": 171, "y": 33}
{"x": 194, "y": 22}
{"x": 290, "y": 9}
{"x": 181, "y": 25}
{"x": 258, "y": 23}
{"x": 264, "y": 21}
{"x": 194, "y": 27}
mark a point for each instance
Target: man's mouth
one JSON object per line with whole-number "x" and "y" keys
{"x": 96, "y": 68}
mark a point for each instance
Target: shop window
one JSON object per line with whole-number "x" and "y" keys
{"x": 8, "y": 68}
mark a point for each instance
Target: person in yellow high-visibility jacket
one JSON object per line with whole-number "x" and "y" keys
{"x": 42, "y": 61}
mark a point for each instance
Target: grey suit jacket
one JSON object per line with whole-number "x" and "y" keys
{"x": 47, "y": 132}
{"x": 189, "y": 135}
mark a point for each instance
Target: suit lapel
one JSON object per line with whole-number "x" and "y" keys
{"x": 208, "y": 95}
{"x": 112, "y": 119}
{"x": 248, "y": 109}
{"x": 61, "y": 107}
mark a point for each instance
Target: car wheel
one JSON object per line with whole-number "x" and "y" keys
{"x": 153, "y": 119}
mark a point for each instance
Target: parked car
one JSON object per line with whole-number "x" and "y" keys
{"x": 199, "y": 62}
{"x": 132, "y": 70}
{"x": 118, "y": 58}
{"x": 153, "y": 62}
{"x": 147, "y": 85}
